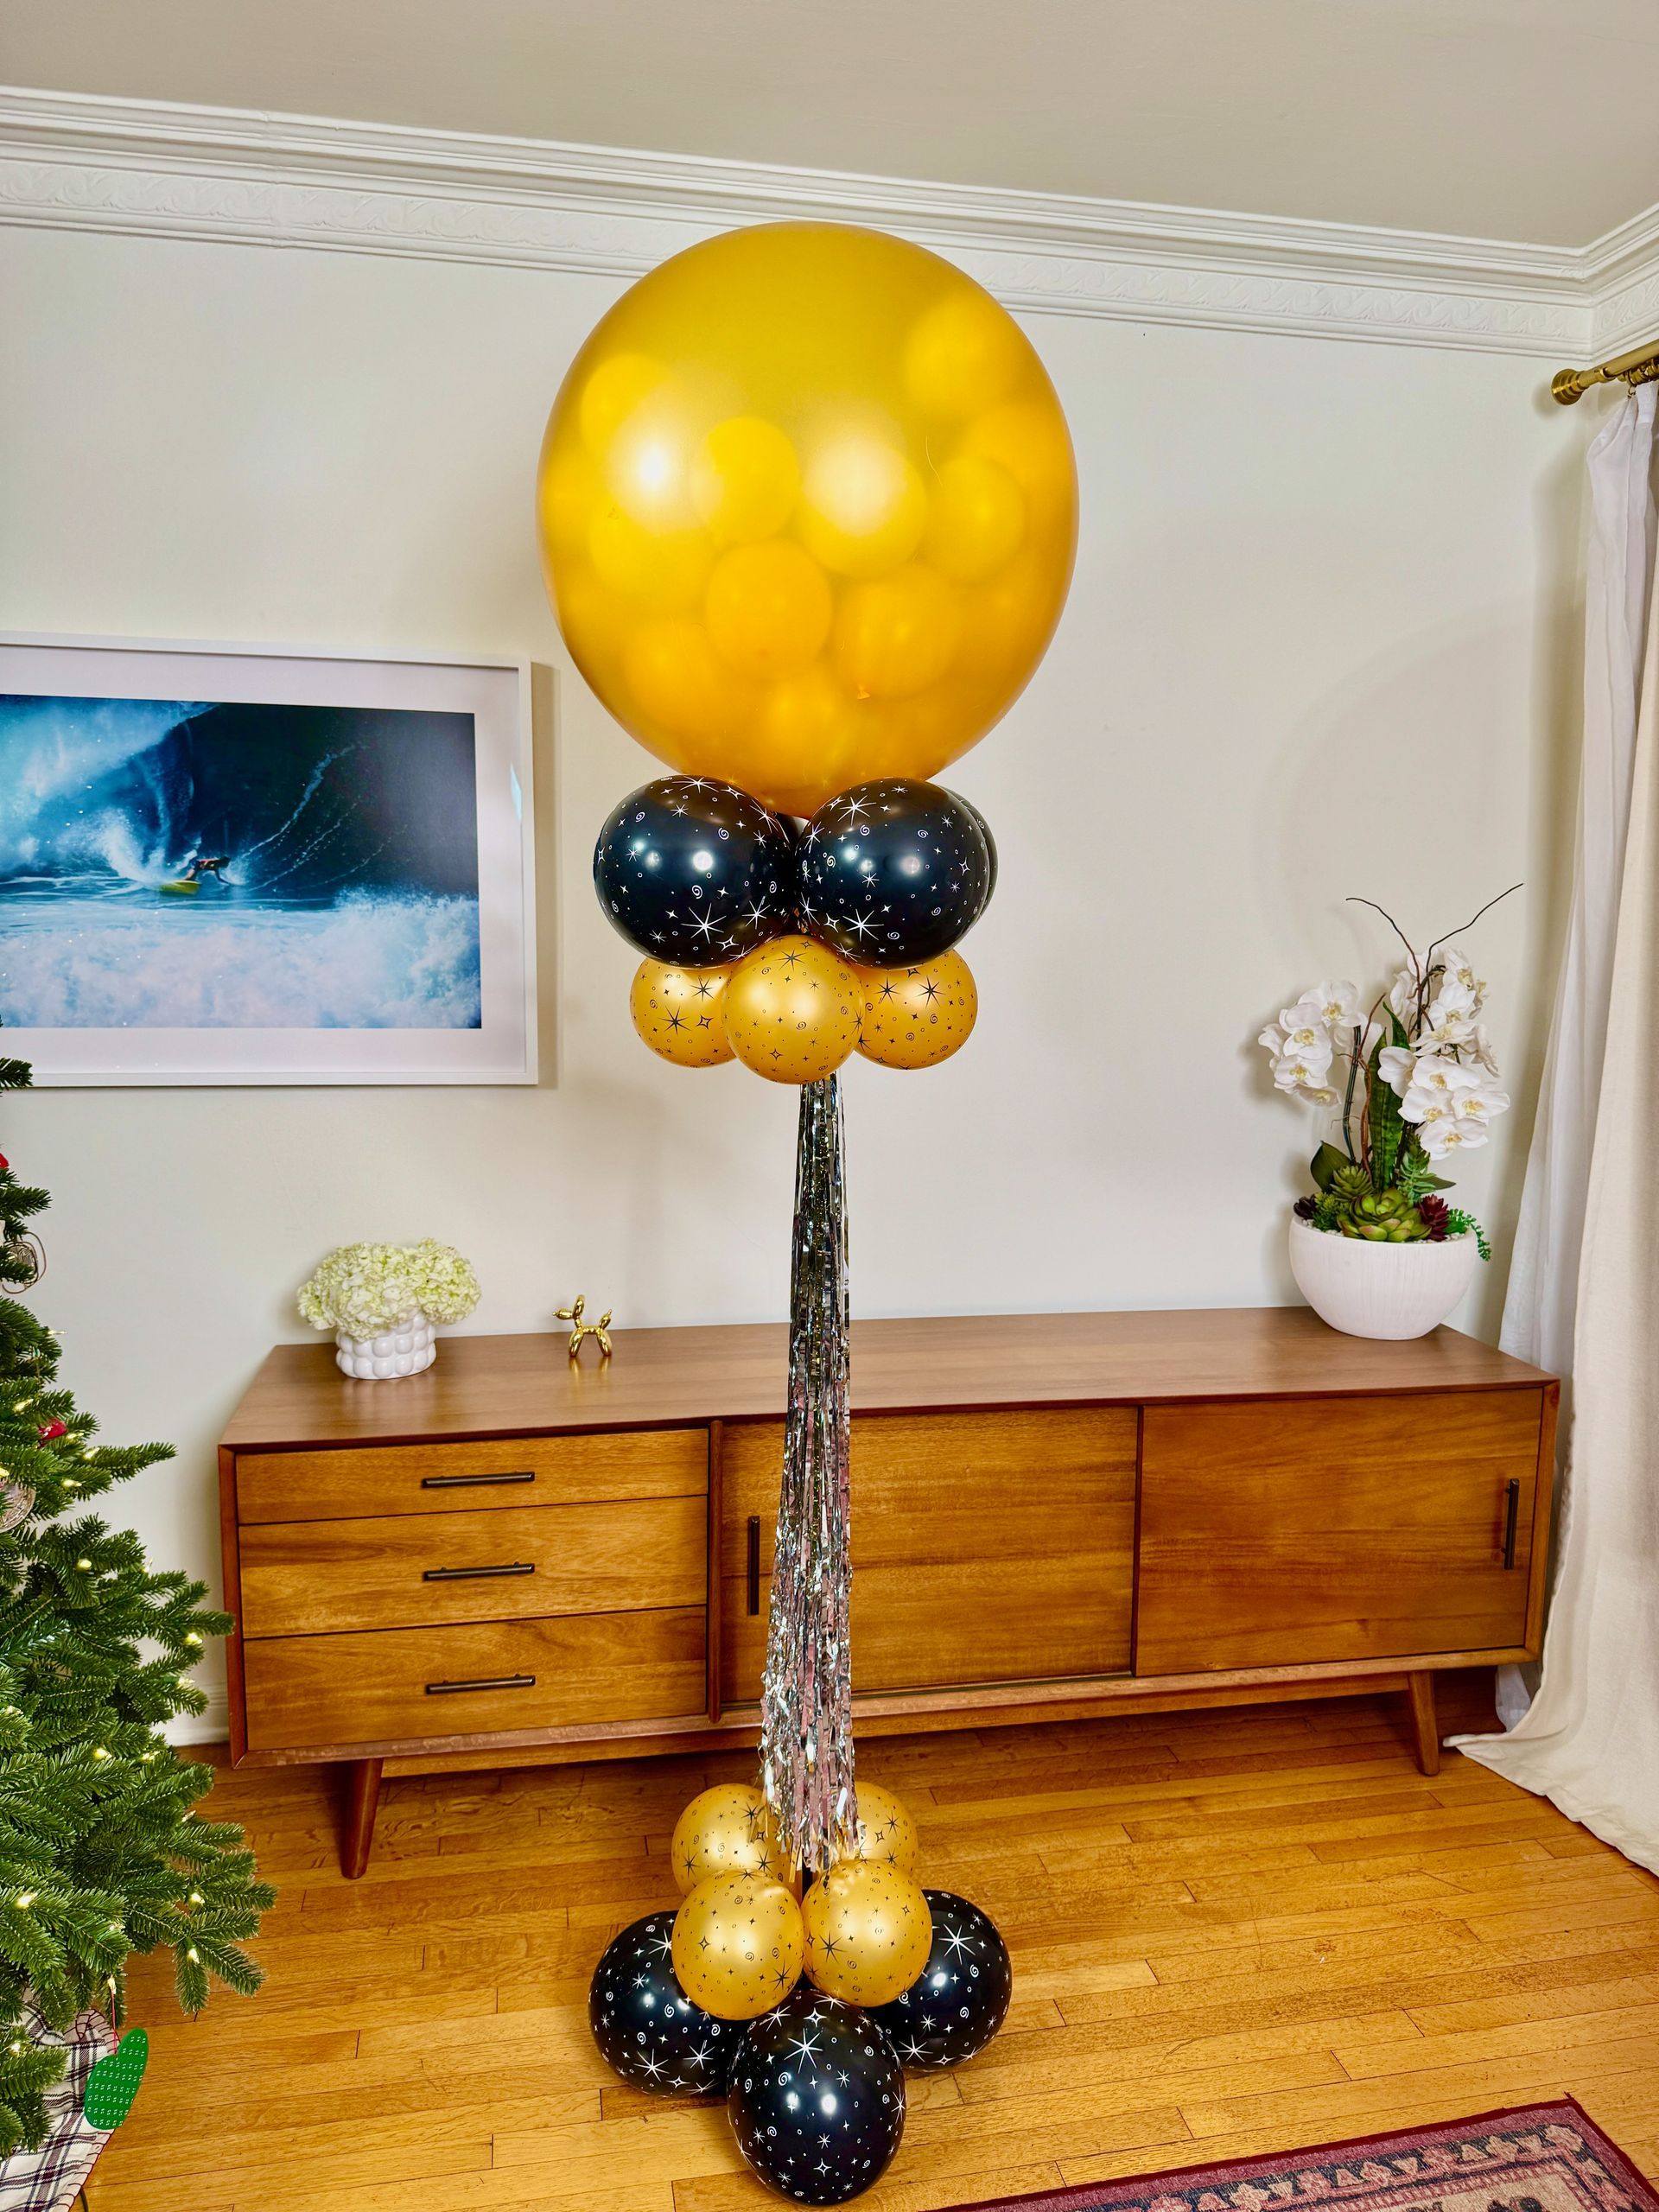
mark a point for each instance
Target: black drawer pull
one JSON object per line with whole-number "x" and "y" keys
{"x": 476, "y": 1573}
{"x": 1511, "y": 1515}
{"x": 754, "y": 1562}
{"x": 471, "y": 1482}
{"x": 484, "y": 1682}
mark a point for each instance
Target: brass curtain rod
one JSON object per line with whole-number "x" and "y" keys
{"x": 1569, "y": 386}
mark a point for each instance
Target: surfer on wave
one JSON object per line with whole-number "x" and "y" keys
{"x": 198, "y": 870}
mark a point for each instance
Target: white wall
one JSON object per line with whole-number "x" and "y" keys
{"x": 1321, "y": 640}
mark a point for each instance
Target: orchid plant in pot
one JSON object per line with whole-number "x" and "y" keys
{"x": 1410, "y": 1084}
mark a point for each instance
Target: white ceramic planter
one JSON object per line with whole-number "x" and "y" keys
{"x": 403, "y": 1350}
{"x": 1380, "y": 1290}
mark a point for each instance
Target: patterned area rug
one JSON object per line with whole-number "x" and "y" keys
{"x": 1547, "y": 2157}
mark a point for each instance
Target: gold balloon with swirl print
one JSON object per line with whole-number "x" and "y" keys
{"x": 868, "y": 1931}
{"x": 737, "y": 1945}
{"x": 916, "y": 1017}
{"x": 792, "y": 1010}
{"x": 886, "y": 1829}
{"x": 726, "y": 1830}
{"x": 677, "y": 1012}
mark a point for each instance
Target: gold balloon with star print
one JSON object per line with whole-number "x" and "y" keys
{"x": 737, "y": 1945}
{"x": 916, "y": 1017}
{"x": 868, "y": 1932}
{"x": 726, "y": 1830}
{"x": 677, "y": 1013}
{"x": 792, "y": 1010}
{"x": 885, "y": 1828}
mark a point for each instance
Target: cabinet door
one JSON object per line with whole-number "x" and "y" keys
{"x": 1311, "y": 1529}
{"x": 987, "y": 1547}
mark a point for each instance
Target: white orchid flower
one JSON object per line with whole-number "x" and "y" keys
{"x": 1448, "y": 1023}
{"x": 1304, "y": 1023}
{"x": 1321, "y": 1095}
{"x": 1295, "y": 1070}
{"x": 1481, "y": 1104}
{"x": 1459, "y": 980}
{"x": 1446, "y": 1134}
{"x": 1402, "y": 992}
{"x": 1338, "y": 1003}
{"x": 1272, "y": 1039}
{"x": 1481, "y": 1045}
{"x": 1432, "y": 1125}
{"x": 1396, "y": 1063}
{"x": 1435, "y": 1085}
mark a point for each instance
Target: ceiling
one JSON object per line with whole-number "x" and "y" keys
{"x": 1520, "y": 120}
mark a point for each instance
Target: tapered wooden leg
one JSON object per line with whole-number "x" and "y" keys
{"x": 1420, "y": 1688}
{"x": 357, "y": 1839}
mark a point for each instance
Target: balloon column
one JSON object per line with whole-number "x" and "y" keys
{"x": 805, "y": 2012}
{"x": 808, "y": 510}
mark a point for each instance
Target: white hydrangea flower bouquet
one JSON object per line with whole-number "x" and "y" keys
{"x": 382, "y": 1300}
{"x": 1415, "y": 1082}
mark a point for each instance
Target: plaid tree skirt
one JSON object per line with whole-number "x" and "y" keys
{"x": 50, "y": 2179}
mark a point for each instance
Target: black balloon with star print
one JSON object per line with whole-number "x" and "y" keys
{"x": 817, "y": 2098}
{"x": 960, "y": 1999}
{"x": 893, "y": 872}
{"x": 990, "y": 845}
{"x": 645, "y": 2026}
{"x": 694, "y": 872}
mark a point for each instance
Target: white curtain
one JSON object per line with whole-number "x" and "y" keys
{"x": 1583, "y": 1290}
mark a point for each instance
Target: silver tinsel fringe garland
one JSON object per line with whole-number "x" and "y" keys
{"x": 806, "y": 1738}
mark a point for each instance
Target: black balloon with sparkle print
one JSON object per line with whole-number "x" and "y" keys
{"x": 894, "y": 872}
{"x": 816, "y": 2100}
{"x": 694, "y": 872}
{"x": 645, "y": 2026}
{"x": 960, "y": 1998}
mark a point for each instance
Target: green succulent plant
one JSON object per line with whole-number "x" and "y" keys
{"x": 1384, "y": 1218}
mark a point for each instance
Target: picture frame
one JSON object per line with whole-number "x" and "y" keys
{"x": 255, "y": 864}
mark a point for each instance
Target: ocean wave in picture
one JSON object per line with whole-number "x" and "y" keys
{"x": 182, "y": 864}
{"x": 371, "y": 961}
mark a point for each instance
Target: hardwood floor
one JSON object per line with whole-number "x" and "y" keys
{"x": 1232, "y": 1931}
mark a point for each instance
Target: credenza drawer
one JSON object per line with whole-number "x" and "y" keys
{"x": 308, "y": 1577}
{"x": 354, "y": 1484}
{"x": 415, "y": 1685}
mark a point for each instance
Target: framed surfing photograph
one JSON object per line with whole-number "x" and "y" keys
{"x": 250, "y": 865}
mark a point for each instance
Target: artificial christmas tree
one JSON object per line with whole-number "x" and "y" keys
{"x": 101, "y": 1853}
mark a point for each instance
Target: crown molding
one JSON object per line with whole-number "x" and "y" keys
{"x": 1623, "y": 274}
{"x": 154, "y": 169}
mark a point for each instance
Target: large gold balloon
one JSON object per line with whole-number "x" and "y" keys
{"x": 792, "y": 1010}
{"x": 677, "y": 1013}
{"x": 916, "y": 1017}
{"x": 726, "y": 1830}
{"x": 737, "y": 1945}
{"x": 808, "y": 509}
{"x": 886, "y": 1829}
{"x": 868, "y": 1932}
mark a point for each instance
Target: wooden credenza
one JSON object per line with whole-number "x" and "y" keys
{"x": 514, "y": 1559}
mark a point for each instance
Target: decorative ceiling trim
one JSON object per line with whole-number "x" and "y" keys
{"x": 1623, "y": 279}
{"x": 154, "y": 169}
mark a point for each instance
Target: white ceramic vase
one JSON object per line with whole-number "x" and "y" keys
{"x": 403, "y": 1350}
{"x": 1380, "y": 1290}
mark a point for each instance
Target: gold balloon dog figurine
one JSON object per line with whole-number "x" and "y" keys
{"x": 600, "y": 1330}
